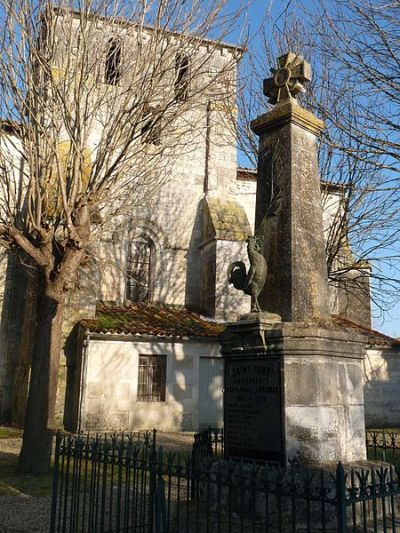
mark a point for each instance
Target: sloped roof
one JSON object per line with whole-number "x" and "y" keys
{"x": 250, "y": 174}
{"x": 151, "y": 319}
{"x": 224, "y": 219}
{"x": 374, "y": 337}
{"x": 166, "y": 321}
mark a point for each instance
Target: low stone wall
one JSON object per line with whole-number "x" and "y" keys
{"x": 382, "y": 386}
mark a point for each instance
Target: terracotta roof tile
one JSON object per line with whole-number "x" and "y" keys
{"x": 374, "y": 337}
{"x": 151, "y": 319}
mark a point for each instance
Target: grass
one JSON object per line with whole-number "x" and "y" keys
{"x": 10, "y": 433}
{"x": 12, "y": 483}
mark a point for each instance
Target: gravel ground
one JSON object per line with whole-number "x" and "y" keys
{"x": 21, "y": 513}
{"x": 24, "y": 514}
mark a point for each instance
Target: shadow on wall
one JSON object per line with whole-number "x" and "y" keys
{"x": 165, "y": 265}
{"x": 193, "y": 295}
{"x": 109, "y": 398}
{"x": 17, "y": 328}
{"x": 381, "y": 386}
{"x": 214, "y": 244}
{"x": 350, "y": 295}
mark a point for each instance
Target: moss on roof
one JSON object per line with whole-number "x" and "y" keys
{"x": 151, "y": 319}
{"x": 225, "y": 220}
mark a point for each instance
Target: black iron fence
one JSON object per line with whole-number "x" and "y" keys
{"x": 93, "y": 480}
{"x": 124, "y": 484}
{"x": 208, "y": 443}
{"x": 382, "y": 445}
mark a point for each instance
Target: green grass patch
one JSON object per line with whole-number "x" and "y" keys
{"x": 10, "y": 433}
{"x": 12, "y": 483}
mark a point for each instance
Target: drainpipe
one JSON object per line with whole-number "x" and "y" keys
{"x": 85, "y": 348}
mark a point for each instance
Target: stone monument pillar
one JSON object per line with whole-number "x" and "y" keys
{"x": 293, "y": 383}
{"x": 288, "y": 205}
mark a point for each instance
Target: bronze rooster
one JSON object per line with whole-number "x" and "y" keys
{"x": 253, "y": 281}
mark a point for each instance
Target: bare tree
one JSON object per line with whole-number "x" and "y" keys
{"x": 99, "y": 103}
{"x": 354, "y": 89}
{"x": 358, "y": 45}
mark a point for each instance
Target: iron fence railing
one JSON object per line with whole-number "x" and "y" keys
{"x": 131, "y": 485}
{"x": 92, "y": 481}
{"x": 382, "y": 445}
{"x": 208, "y": 443}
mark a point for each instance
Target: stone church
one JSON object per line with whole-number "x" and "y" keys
{"x": 141, "y": 328}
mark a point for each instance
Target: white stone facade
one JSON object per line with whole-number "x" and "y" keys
{"x": 197, "y": 221}
{"x": 110, "y": 385}
{"x": 382, "y": 385}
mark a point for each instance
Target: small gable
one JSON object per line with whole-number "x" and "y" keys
{"x": 224, "y": 220}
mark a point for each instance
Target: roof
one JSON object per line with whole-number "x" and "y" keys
{"x": 247, "y": 174}
{"x": 121, "y": 21}
{"x": 151, "y": 319}
{"x": 250, "y": 174}
{"x": 374, "y": 337}
{"x": 224, "y": 219}
{"x": 158, "y": 320}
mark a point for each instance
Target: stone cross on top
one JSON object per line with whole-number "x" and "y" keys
{"x": 287, "y": 80}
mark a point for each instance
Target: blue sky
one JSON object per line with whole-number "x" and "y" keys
{"x": 389, "y": 323}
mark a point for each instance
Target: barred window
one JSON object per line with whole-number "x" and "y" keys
{"x": 151, "y": 378}
{"x": 182, "y": 77}
{"x": 113, "y": 62}
{"x": 139, "y": 270}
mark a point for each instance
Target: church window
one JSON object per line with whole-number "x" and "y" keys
{"x": 151, "y": 129}
{"x": 151, "y": 378}
{"x": 182, "y": 77}
{"x": 139, "y": 270}
{"x": 113, "y": 62}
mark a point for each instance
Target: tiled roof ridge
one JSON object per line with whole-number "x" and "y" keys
{"x": 150, "y": 319}
{"x": 366, "y": 330}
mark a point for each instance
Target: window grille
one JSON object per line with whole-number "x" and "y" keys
{"x": 113, "y": 62}
{"x": 182, "y": 77}
{"x": 151, "y": 378}
{"x": 139, "y": 268}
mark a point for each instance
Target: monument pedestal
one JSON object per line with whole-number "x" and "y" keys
{"x": 293, "y": 391}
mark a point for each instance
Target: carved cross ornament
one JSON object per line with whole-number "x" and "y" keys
{"x": 287, "y": 80}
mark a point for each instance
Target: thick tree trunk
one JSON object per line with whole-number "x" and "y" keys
{"x": 39, "y": 422}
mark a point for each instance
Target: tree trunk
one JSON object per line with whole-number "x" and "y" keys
{"x": 39, "y": 421}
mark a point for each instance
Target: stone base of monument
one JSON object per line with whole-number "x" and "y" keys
{"x": 293, "y": 391}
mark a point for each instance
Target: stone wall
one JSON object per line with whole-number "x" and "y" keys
{"x": 110, "y": 369}
{"x": 17, "y": 325}
{"x": 6, "y": 374}
{"x": 110, "y": 366}
{"x": 382, "y": 386}
{"x": 188, "y": 269}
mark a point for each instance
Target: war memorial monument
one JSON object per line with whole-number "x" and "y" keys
{"x": 293, "y": 381}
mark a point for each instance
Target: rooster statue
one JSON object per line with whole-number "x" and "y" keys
{"x": 253, "y": 281}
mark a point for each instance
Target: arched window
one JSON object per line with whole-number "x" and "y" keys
{"x": 113, "y": 62}
{"x": 140, "y": 264}
{"x": 182, "y": 77}
{"x": 151, "y": 128}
